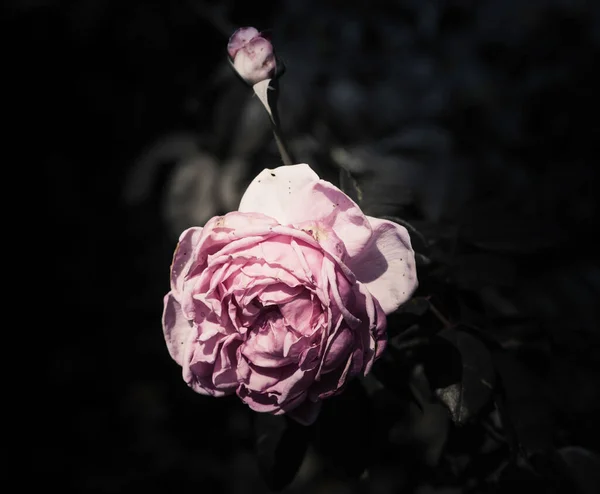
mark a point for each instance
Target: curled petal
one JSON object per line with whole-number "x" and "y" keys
{"x": 240, "y": 38}
{"x": 255, "y": 61}
{"x": 177, "y": 329}
{"x": 259, "y": 402}
{"x": 302, "y": 312}
{"x": 224, "y": 376}
{"x": 387, "y": 266}
{"x": 338, "y": 350}
{"x": 183, "y": 258}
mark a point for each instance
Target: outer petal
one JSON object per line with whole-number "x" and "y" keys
{"x": 387, "y": 265}
{"x": 176, "y": 327}
{"x": 240, "y": 38}
{"x": 182, "y": 258}
{"x": 280, "y": 193}
{"x": 255, "y": 61}
{"x": 295, "y": 194}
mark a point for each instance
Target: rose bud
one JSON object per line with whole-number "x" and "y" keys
{"x": 252, "y": 55}
{"x": 239, "y": 39}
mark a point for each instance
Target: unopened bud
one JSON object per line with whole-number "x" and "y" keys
{"x": 252, "y": 55}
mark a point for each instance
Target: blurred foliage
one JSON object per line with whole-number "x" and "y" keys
{"x": 474, "y": 122}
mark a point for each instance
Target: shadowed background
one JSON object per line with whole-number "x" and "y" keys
{"x": 478, "y": 117}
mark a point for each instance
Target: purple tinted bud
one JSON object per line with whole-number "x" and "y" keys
{"x": 252, "y": 55}
{"x": 240, "y": 38}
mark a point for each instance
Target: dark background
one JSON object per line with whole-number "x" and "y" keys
{"x": 460, "y": 115}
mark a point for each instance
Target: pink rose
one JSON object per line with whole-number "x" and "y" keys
{"x": 285, "y": 300}
{"x": 252, "y": 55}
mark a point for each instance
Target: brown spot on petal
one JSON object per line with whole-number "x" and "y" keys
{"x": 316, "y": 233}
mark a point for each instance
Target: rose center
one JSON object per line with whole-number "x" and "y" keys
{"x": 267, "y": 334}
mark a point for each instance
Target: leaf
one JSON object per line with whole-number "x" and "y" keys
{"x": 559, "y": 476}
{"x": 381, "y": 184}
{"x": 344, "y": 432}
{"x": 519, "y": 478}
{"x": 408, "y": 339}
{"x": 460, "y": 371}
{"x": 583, "y": 466}
{"x": 571, "y": 470}
{"x": 497, "y": 227}
{"x": 417, "y": 306}
{"x": 407, "y": 315}
{"x": 424, "y": 428}
{"x": 476, "y": 271}
{"x": 528, "y": 407}
{"x": 349, "y": 186}
{"x": 281, "y": 445}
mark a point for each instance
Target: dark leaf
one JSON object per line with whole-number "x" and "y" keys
{"x": 492, "y": 227}
{"x": 460, "y": 371}
{"x": 475, "y": 271}
{"x": 583, "y": 466}
{"x": 471, "y": 307}
{"x": 343, "y": 431}
{"x": 417, "y": 306}
{"x": 383, "y": 184}
{"x": 349, "y": 186}
{"x": 570, "y": 470}
{"x": 528, "y": 404}
{"x": 409, "y": 339}
{"x": 281, "y": 445}
{"x": 408, "y": 314}
{"x": 518, "y": 477}
{"x": 424, "y": 429}
{"x": 556, "y": 473}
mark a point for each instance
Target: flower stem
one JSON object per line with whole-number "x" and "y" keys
{"x": 261, "y": 89}
{"x": 285, "y": 155}
{"x": 447, "y": 324}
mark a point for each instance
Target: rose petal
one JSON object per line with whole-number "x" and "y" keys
{"x": 339, "y": 290}
{"x": 339, "y": 349}
{"x": 280, "y": 193}
{"x": 232, "y": 231}
{"x": 295, "y": 194}
{"x": 224, "y": 375}
{"x": 279, "y": 293}
{"x": 255, "y": 61}
{"x": 183, "y": 258}
{"x": 332, "y": 382}
{"x": 259, "y": 402}
{"x": 387, "y": 265}
{"x": 266, "y": 379}
{"x": 299, "y": 312}
{"x": 176, "y": 327}
{"x": 240, "y": 38}
{"x": 345, "y": 217}
{"x": 374, "y": 342}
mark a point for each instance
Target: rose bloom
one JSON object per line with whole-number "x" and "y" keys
{"x": 285, "y": 300}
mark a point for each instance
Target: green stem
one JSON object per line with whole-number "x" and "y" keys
{"x": 285, "y": 155}
{"x": 261, "y": 89}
